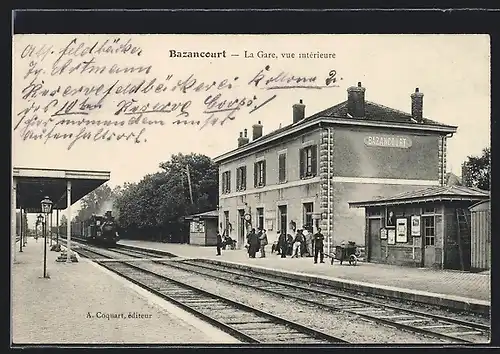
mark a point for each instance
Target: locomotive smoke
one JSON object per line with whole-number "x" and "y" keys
{"x": 107, "y": 205}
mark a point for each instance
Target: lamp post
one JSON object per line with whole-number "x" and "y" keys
{"x": 46, "y": 209}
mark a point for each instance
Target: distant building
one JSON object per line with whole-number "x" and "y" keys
{"x": 304, "y": 173}
{"x": 203, "y": 228}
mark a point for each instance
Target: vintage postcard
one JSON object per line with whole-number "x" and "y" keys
{"x": 247, "y": 189}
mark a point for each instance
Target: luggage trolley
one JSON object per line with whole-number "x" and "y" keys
{"x": 346, "y": 253}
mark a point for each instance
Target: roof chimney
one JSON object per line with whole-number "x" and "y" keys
{"x": 417, "y": 105}
{"x": 257, "y": 131}
{"x": 240, "y": 140}
{"x": 356, "y": 101}
{"x": 245, "y": 138}
{"x": 299, "y": 110}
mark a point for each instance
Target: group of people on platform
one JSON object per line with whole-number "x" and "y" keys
{"x": 304, "y": 244}
{"x": 257, "y": 242}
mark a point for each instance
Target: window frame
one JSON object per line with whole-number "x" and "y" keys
{"x": 282, "y": 168}
{"x": 241, "y": 178}
{"x": 308, "y": 214}
{"x": 260, "y": 174}
{"x": 429, "y": 240}
{"x": 226, "y": 182}
{"x": 308, "y": 161}
{"x": 260, "y": 217}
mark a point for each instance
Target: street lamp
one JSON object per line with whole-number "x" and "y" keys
{"x": 46, "y": 209}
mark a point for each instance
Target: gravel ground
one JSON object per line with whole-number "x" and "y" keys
{"x": 63, "y": 310}
{"x": 464, "y": 316}
{"x": 348, "y": 327}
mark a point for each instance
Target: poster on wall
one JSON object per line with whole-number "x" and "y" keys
{"x": 402, "y": 230}
{"x": 415, "y": 225}
{"x": 383, "y": 233}
{"x": 269, "y": 224}
{"x": 390, "y": 218}
{"x": 391, "y": 237}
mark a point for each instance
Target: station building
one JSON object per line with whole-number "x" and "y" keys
{"x": 429, "y": 227}
{"x": 305, "y": 173}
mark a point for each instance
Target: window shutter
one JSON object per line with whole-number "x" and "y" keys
{"x": 280, "y": 167}
{"x": 302, "y": 162}
{"x": 281, "y": 172}
{"x": 314, "y": 159}
{"x": 255, "y": 174}
{"x": 238, "y": 179}
{"x": 229, "y": 181}
{"x": 264, "y": 173}
{"x": 244, "y": 178}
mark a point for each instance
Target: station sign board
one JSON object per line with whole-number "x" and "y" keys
{"x": 390, "y": 141}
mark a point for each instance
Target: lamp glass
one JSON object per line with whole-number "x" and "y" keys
{"x": 46, "y": 205}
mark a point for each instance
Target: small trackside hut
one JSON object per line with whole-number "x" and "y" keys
{"x": 428, "y": 227}
{"x": 203, "y": 228}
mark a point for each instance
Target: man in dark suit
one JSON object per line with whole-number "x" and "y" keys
{"x": 318, "y": 239}
{"x": 219, "y": 242}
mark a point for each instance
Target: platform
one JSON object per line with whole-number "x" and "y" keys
{"x": 455, "y": 289}
{"x": 72, "y": 307}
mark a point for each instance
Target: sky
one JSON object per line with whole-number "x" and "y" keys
{"x": 453, "y": 72}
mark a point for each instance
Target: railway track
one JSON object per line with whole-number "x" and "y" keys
{"x": 246, "y": 323}
{"x": 436, "y": 326}
{"x": 139, "y": 253}
{"x": 127, "y": 250}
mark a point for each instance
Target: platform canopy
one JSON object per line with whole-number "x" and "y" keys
{"x": 33, "y": 184}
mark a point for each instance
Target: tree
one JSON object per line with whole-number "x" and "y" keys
{"x": 204, "y": 176}
{"x": 63, "y": 221}
{"x": 155, "y": 207}
{"x": 476, "y": 170}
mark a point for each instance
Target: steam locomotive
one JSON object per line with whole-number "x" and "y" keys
{"x": 99, "y": 229}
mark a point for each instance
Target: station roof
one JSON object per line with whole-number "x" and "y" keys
{"x": 33, "y": 184}
{"x": 431, "y": 194}
{"x": 376, "y": 115}
{"x": 206, "y": 215}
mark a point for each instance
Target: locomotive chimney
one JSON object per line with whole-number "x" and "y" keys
{"x": 356, "y": 101}
{"x": 417, "y": 105}
{"x": 299, "y": 110}
{"x": 257, "y": 131}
